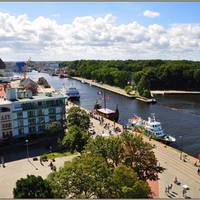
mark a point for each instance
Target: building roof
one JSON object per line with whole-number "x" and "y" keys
{"x": 40, "y": 96}
{"x": 26, "y": 82}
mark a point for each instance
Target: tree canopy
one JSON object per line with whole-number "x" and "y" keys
{"x": 145, "y": 74}
{"x": 75, "y": 139}
{"x": 79, "y": 117}
{"x": 90, "y": 177}
{"x": 128, "y": 149}
{"x": 32, "y": 187}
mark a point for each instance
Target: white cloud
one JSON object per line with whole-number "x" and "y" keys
{"x": 94, "y": 38}
{"x": 151, "y": 14}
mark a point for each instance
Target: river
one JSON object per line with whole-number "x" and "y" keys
{"x": 179, "y": 114}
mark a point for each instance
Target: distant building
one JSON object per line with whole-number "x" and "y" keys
{"x": 29, "y": 84}
{"x": 3, "y": 86}
{"x": 20, "y": 66}
{"x": 22, "y": 113}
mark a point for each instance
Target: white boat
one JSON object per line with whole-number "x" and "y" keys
{"x": 152, "y": 128}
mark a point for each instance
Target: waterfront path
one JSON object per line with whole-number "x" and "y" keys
{"x": 169, "y": 158}
{"x": 105, "y": 86}
{"x": 21, "y": 168}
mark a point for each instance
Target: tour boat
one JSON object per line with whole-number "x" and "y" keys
{"x": 72, "y": 94}
{"x": 152, "y": 128}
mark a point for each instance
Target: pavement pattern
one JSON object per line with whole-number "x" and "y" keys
{"x": 21, "y": 168}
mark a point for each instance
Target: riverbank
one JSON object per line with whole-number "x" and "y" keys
{"x": 163, "y": 92}
{"x": 169, "y": 158}
{"x": 115, "y": 90}
{"x": 105, "y": 86}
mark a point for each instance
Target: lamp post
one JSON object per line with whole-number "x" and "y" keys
{"x": 181, "y": 145}
{"x": 27, "y": 150}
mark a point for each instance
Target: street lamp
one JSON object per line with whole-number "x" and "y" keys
{"x": 181, "y": 145}
{"x": 27, "y": 151}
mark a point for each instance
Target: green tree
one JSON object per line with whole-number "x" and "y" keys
{"x": 75, "y": 139}
{"x": 32, "y": 187}
{"x": 127, "y": 185}
{"x": 79, "y": 117}
{"x": 140, "y": 157}
{"x": 85, "y": 177}
{"x": 128, "y": 149}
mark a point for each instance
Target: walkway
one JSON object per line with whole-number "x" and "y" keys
{"x": 20, "y": 168}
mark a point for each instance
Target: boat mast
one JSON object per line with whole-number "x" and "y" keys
{"x": 104, "y": 98}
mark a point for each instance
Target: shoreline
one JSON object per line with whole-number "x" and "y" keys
{"x": 167, "y": 157}
{"x": 104, "y": 86}
{"x": 115, "y": 89}
{"x": 163, "y": 92}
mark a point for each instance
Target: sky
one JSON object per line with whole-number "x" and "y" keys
{"x": 71, "y": 31}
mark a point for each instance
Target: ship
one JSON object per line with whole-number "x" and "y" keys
{"x": 152, "y": 128}
{"x": 72, "y": 94}
{"x": 112, "y": 115}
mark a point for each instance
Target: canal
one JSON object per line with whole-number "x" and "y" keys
{"x": 179, "y": 114}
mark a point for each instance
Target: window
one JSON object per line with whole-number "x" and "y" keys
{"x": 21, "y": 131}
{"x": 20, "y": 123}
{"x": 31, "y": 113}
{"x": 52, "y": 110}
{"x": 31, "y": 121}
{"x": 20, "y": 115}
{"x": 32, "y": 129}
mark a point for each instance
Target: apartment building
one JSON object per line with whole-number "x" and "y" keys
{"x": 22, "y": 113}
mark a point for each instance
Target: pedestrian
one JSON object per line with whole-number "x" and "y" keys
{"x": 166, "y": 189}
{"x": 171, "y": 186}
{"x": 184, "y": 191}
{"x": 175, "y": 180}
{"x": 198, "y": 171}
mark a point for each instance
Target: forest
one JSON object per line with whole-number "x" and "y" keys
{"x": 142, "y": 74}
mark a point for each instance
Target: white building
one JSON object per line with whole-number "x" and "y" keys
{"x": 22, "y": 114}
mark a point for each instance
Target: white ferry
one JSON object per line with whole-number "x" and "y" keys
{"x": 152, "y": 128}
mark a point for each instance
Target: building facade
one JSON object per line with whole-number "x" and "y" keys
{"x": 30, "y": 114}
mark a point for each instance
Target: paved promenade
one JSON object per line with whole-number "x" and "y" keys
{"x": 105, "y": 86}
{"x": 168, "y": 158}
{"x": 20, "y": 168}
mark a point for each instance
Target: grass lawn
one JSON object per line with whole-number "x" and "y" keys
{"x": 59, "y": 154}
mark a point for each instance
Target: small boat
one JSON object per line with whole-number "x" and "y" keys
{"x": 106, "y": 112}
{"x": 152, "y": 128}
{"x": 72, "y": 94}
{"x": 83, "y": 81}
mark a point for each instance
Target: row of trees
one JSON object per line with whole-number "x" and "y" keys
{"x": 145, "y": 74}
{"x": 114, "y": 167}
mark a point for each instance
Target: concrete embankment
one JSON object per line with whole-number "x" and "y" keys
{"x": 115, "y": 90}
{"x": 105, "y": 86}
{"x": 163, "y": 92}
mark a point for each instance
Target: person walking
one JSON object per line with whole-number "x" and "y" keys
{"x": 198, "y": 171}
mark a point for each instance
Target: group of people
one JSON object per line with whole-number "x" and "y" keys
{"x": 168, "y": 188}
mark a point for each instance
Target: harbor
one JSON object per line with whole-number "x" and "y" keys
{"x": 181, "y": 159}
{"x": 179, "y": 114}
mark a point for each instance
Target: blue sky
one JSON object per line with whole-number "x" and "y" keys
{"x": 172, "y": 12}
{"x": 68, "y": 31}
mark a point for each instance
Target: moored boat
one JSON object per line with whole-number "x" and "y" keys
{"x": 72, "y": 94}
{"x": 106, "y": 112}
{"x": 151, "y": 128}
